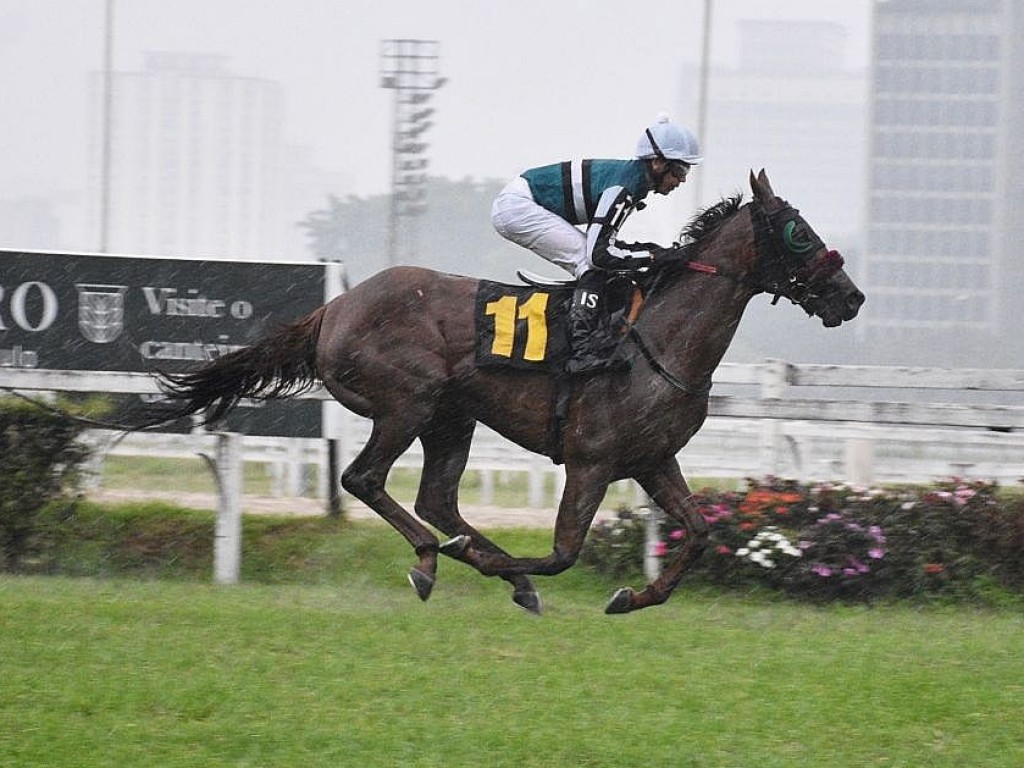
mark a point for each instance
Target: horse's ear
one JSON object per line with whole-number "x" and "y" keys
{"x": 760, "y": 186}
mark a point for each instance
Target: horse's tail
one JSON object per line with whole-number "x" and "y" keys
{"x": 279, "y": 365}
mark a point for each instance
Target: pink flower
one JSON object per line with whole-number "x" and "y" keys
{"x": 677, "y": 534}
{"x": 876, "y": 554}
{"x": 963, "y": 495}
{"x": 822, "y": 570}
{"x": 723, "y": 550}
{"x": 660, "y": 549}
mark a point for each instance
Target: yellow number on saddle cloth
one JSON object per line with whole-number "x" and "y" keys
{"x": 521, "y": 326}
{"x": 506, "y": 311}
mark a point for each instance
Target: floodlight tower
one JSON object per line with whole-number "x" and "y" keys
{"x": 410, "y": 69}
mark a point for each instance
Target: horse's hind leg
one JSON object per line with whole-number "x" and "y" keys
{"x": 365, "y": 478}
{"x": 446, "y": 443}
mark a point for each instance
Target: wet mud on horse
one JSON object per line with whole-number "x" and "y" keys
{"x": 399, "y": 349}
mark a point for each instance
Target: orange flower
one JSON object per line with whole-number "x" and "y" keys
{"x": 934, "y": 568}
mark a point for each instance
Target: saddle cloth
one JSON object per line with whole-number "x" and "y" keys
{"x": 527, "y": 326}
{"x": 522, "y": 326}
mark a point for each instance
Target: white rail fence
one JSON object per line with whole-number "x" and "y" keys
{"x": 729, "y": 448}
{"x": 860, "y": 424}
{"x": 808, "y": 422}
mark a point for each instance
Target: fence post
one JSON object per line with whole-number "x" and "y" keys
{"x": 774, "y": 383}
{"x": 652, "y": 563}
{"x": 332, "y": 419}
{"x": 535, "y": 483}
{"x": 859, "y": 465}
{"x": 486, "y": 486}
{"x": 227, "y": 541}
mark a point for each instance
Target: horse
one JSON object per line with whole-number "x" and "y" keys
{"x": 398, "y": 349}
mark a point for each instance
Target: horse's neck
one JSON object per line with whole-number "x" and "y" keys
{"x": 690, "y": 325}
{"x": 694, "y": 318}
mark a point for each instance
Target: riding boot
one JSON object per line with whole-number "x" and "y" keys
{"x": 593, "y": 346}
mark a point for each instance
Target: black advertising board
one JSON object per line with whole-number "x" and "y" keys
{"x": 84, "y": 312}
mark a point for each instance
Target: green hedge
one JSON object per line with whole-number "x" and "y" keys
{"x": 960, "y": 540}
{"x": 39, "y": 458}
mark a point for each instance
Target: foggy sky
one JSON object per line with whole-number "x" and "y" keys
{"x": 530, "y": 82}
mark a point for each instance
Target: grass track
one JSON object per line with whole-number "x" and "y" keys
{"x": 129, "y": 673}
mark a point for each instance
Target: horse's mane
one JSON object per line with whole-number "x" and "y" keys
{"x": 709, "y": 220}
{"x": 696, "y": 232}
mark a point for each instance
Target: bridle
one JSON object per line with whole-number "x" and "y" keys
{"x": 790, "y": 260}
{"x": 783, "y": 264}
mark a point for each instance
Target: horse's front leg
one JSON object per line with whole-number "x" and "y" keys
{"x": 668, "y": 489}
{"x": 584, "y": 490}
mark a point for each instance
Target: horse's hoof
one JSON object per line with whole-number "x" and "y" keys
{"x": 421, "y": 582}
{"x": 528, "y": 601}
{"x": 456, "y": 547}
{"x": 621, "y": 602}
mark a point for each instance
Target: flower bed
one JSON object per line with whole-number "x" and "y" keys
{"x": 828, "y": 541}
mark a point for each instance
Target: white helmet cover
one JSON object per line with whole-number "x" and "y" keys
{"x": 668, "y": 141}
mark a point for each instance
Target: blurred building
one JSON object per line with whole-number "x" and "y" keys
{"x": 945, "y": 197}
{"x": 793, "y": 107}
{"x": 196, "y": 159}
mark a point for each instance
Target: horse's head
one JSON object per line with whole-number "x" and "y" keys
{"x": 792, "y": 261}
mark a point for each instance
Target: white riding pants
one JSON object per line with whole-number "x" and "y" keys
{"x": 518, "y": 218}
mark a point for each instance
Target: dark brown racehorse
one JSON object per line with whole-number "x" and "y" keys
{"x": 399, "y": 349}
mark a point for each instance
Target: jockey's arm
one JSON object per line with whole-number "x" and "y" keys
{"x": 604, "y": 249}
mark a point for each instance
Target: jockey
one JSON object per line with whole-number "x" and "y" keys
{"x": 570, "y": 213}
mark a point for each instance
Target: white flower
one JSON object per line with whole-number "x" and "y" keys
{"x": 765, "y": 545}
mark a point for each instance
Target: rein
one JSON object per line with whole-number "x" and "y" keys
{"x": 701, "y": 388}
{"x": 708, "y": 269}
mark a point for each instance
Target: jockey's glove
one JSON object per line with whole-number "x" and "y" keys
{"x": 674, "y": 252}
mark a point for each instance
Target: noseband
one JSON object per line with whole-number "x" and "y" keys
{"x": 782, "y": 267}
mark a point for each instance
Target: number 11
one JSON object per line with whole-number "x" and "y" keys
{"x": 506, "y": 311}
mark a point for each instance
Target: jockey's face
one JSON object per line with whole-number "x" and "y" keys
{"x": 668, "y": 174}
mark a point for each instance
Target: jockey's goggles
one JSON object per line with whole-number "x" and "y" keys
{"x": 679, "y": 169}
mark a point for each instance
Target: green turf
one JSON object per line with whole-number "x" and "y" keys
{"x": 360, "y": 673}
